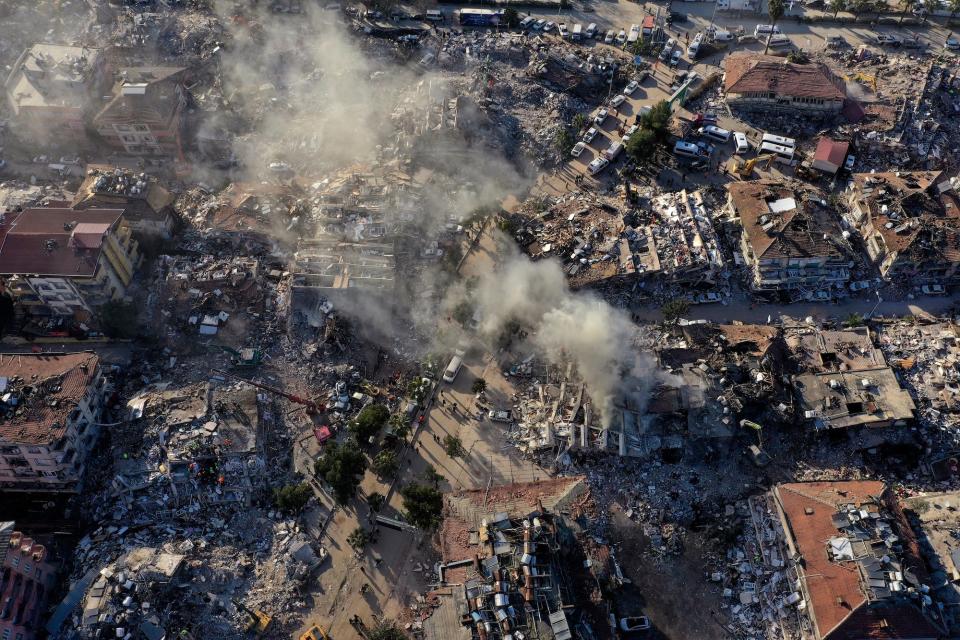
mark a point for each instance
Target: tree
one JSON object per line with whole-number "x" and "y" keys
{"x": 579, "y": 122}
{"x": 479, "y": 385}
{"x": 510, "y": 17}
{"x": 775, "y": 9}
{"x": 954, "y": 9}
{"x": 463, "y": 313}
{"x": 119, "y": 319}
{"x": 675, "y": 309}
{"x": 454, "y": 447}
{"x": 907, "y": 5}
{"x": 375, "y": 500}
{"x": 358, "y": 539}
{"x": 385, "y": 464}
{"x": 859, "y": 8}
{"x": 386, "y": 630}
{"x": 433, "y": 476}
{"x": 837, "y": 6}
{"x": 369, "y": 422}
{"x": 292, "y": 498}
{"x": 853, "y": 320}
{"x": 423, "y": 505}
{"x": 400, "y": 425}
{"x": 642, "y": 145}
{"x": 564, "y": 141}
{"x": 341, "y": 468}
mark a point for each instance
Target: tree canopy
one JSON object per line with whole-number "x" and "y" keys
{"x": 424, "y": 505}
{"x": 341, "y": 468}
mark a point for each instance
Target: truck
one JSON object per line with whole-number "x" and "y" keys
{"x": 634, "y": 34}
{"x": 648, "y": 25}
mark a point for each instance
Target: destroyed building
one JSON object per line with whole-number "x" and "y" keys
{"x": 791, "y": 240}
{"x": 680, "y": 243}
{"x": 835, "y": 560}
{"x": 756, "y": 82}
{"x": 341, "y": 273}
{"x": 49, "y": 91}
{"x": 910, "y": 223}
{"x": 143, "y": 113}
{"x": 49, "y": 419}
{"x": 830, "y": 155}
{"x": 27, "y": 576}
{"x": 147, "y": 206}
{"x": 58, "y": 261}
{"x": 847, "y": 383}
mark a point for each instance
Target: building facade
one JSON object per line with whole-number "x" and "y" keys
{"x": 50, "y": 411}
{"x": 755, "y": 82}
{"x": 59, "y": 261}
{"x": 147, "y": 206}
{"x": 26, "y": 580}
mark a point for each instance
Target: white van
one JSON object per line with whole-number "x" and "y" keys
{"x": 577, "y": 32}
{"x": 740, "y": 142}
{"x": 453, "y": 369}
{"x": 714, "y": 133}
{"x": 591, "y": 30}
{"x": 765, "y": 29}
{"x": 613, "y": 151}
{"x": 686, "y": 149}
{"x": 723, "y": 36}
{"x": 435, "y": 15}
{"x": 779, "y": 40}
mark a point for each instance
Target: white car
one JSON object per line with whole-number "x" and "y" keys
{"x": 884, "y": 38}
{"x": 675, "y": 58}
{"x": 578, "y": 149}
{"x": 667, "y": 48}
{"x": 597, "y": 165}
{"x": 538, "y": 25}
{"x": 849, "y": 162}
{"x": 590, "y": 135}
{"x": 953, "y": 42}
{"x": 621, "y": 37}
{"x": 600, "y": 117}
{"x": 608, "y": 39}
{"x": 723, "y": 36}
{"x": 632, "y": 86}
{"x": 562, "y": 28}
{"x": 740, "y": 143}
{"x": 499, "y": 415}
{"x": 707, "y": 298}
{"x": 547, "y": 28}
{"x": 618, "y": 100}
{"x": 633, "y": 129}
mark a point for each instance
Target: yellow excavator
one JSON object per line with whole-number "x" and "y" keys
{"x": 258, "y": 622}
{"x": 315, "y": 632}
{"x": 864, "y": 78}
{"x": 744, "y": 168}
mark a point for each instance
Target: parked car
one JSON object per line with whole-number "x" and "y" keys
{"x": 578, "y": 149}
{"x": 589, "y": 135}
{"x": 860, "y": 285}
{"x": 667, "y": 49}
{"x": 621, "y": 37}
{"x": 547, "y": 28}
{"x": 933, "y": 290}
{"x": 953, "y": 42}
{"x": 562, "y": 29}
{"x": 723, "y": 36}
{"x": 600, "y": 117}
{"x": 499, "y": 415}
{"x": 707, "y": 298}
{"x": 538, "y": 25}
{"x": 633, "y": 129}
{"x": 740, "y": 142}
{"x": 849, "y": 162}
{"x": 597, "y": 165}
{"x": 632, "y": 86}
{"x": 675, "y": 57}
{"x": 634, "y": 623}
{"x": 835, "y": 42}
{"x": 608, "y": 39}
{"x": 618, "y": 100}
{"x": 887, "y": 39}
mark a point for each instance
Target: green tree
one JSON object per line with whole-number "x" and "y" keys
{"x": 358, "y": 539}
{"x": 860, "y": 8}
{"x": 510, "y": 17}
{"x": 400, "y": 425}
{"x": 463, "y": 313}
{"x": 954, "y": 7}
{"x": 853, "y": 320}
{"x": 375, "y": 500}
{"x": 579, "y": 122}
{"x": 907, "y": 5}
{"x": 341, "y": 467}
{"x": 479, "y": 385}
{"x": 564, "y": 141}
{"x": 119, "y": 319}
{"x": 385, "y": 464}
{"x": 642, "y": 145}
{"x": 386, "y": 630}
{"x": 837, "y": 6}
{"x": 454, "y": 447}
{"x": 675, "y": 309}
{"x": 292, "y": 498}
{"x": 423, "y": 506}
{"x": 775, "y": 9}
{"x": 369, "y": 422}
{"x": 434, "y": 477}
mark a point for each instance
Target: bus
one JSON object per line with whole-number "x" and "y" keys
{"x": 782, "y": 154}
{"x": 453, "y": 369}
{"x": 779, "y": 140}
{"x": 480, "y": 17}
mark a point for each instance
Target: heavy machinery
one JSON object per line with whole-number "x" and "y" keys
{"x": 258, "y": 622}
{"x": 312, "y": 406}
{"x": 744, "y": 169}
{"x": 245, "y": 357}
{"x": 315, "y": 632}
{"x": 864, "y": 78}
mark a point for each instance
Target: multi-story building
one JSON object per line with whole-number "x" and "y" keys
{"x": 59, "y": 261}
{"x": 147, "y": 206}
{"x": 910, "y": 223}
{"x": 791, "y": 241}
{"x": 50, "y": 406}
{"x": 142, "y": 116}
{"x": 755, "y": 82}
{"x": 26, "y": 579}
{"x": 49, "y": 91}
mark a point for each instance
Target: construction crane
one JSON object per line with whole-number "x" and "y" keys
{"x": 258, "y": 622}
{"x": 312, "y": 406}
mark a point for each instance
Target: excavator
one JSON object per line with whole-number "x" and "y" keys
{"x": 312, "y": 406}
{"x": 744, "y": 169}
{"x": 864, "y": 78}
{"x": 258, "y": 622}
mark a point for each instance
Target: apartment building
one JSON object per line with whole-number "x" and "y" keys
{"x": 757, "y": 82}
{"x": 147, "y": 206}
{"x": 792, "y": 241}
{"x": 50, "y": 406}
{"x": 910, "y": 223}
{"x": 26, "y": 578}
{"x": 58, "y": 261}
{"x": 143, "y": 114}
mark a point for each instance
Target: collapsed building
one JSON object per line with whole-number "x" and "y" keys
{"x": 756, "y": 82}
{"x": 910, "y": 223}
{"x": 147, "y": 206}
{"x": 792, "y": 241}
{"x": 50, "y": 415}
{"x": 834, "y": 560}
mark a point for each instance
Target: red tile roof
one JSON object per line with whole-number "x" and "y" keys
{"x": 756, "y": 73}
{"x": 831, "y": 151}
{"x": 41, "y": 416}
{"x": 41, "y": 241}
